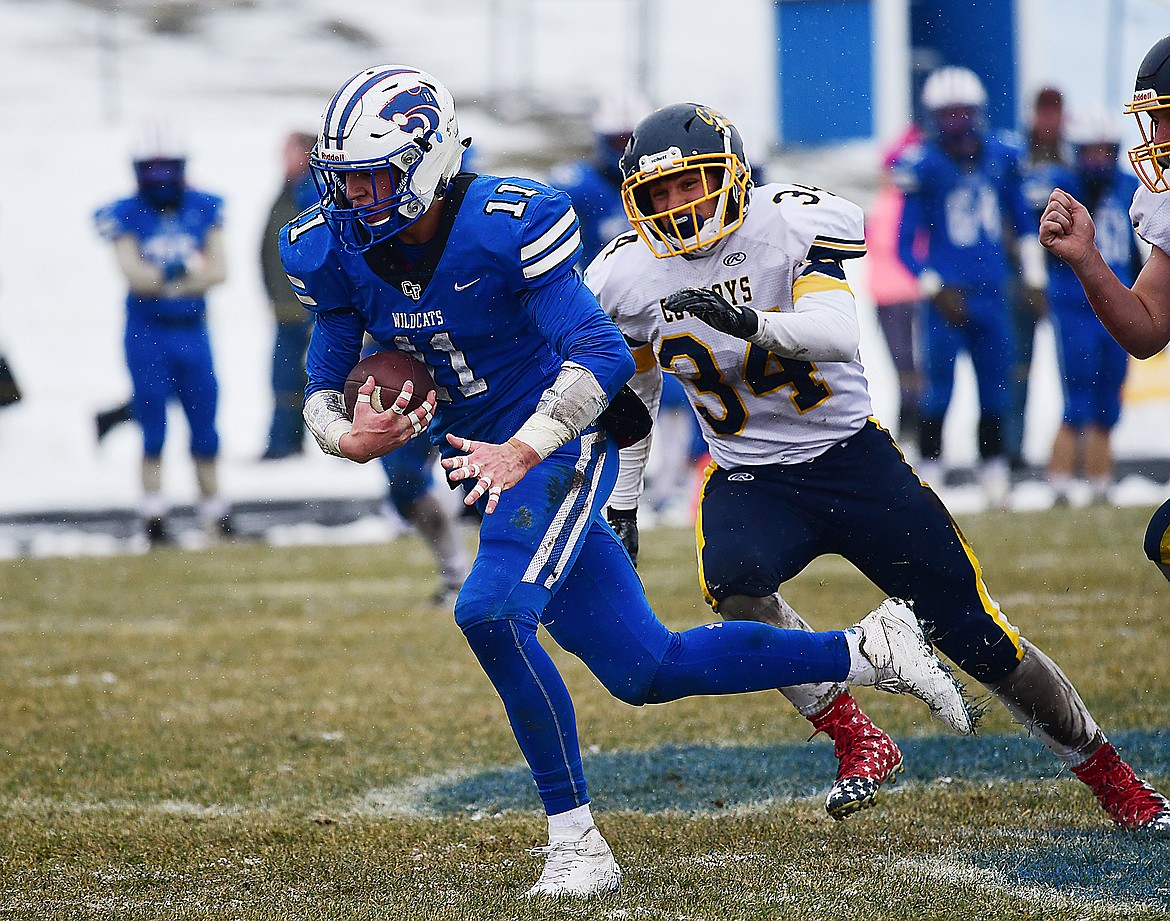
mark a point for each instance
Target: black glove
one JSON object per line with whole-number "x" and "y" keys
{"x": 625, "y": 525}
{"x": 714, "y": 310}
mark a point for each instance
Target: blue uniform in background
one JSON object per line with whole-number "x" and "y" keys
{"x": 1092, "y": 364}
{"x": 168, "y": 350}
{"x": 597, "y": 199}
{"x": 494, "y": 306}
{"x": 961, "y": 214}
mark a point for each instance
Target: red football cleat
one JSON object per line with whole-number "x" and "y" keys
{"x": 866, "y": 756}
{"x": 1133, "y": 805}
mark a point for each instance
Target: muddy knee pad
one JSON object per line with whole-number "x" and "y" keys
{"x": 1038, "y": 694}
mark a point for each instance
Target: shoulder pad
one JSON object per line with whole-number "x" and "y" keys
{"x": 824, "y": 225}
{"x": 307, "y": 252}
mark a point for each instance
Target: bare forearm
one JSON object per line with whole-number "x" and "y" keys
{"x": 1131, "y": 318}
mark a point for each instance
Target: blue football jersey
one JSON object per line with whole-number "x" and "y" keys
{"x": 492, "y": 304}
{"x": 597, "y": 200}
{"x": 163, "y": 237}
{"x": 1113, "y": 232}
{"x": 960, "y": 213}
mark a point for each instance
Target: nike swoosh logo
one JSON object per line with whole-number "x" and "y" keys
{"x": 459, "y": 287}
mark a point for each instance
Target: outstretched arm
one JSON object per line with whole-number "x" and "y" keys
{"x": 1138, "y": 317}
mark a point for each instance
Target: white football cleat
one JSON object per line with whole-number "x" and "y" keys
{"x": 579, "y": 868}
{"x": 901, "y": 661}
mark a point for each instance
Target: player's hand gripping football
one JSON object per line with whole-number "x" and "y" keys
{"x": 1066, "y": 229}
{"x": 377, "y": 433}
{"x": 494, "y": 467}
{"x": 715, "y": 310}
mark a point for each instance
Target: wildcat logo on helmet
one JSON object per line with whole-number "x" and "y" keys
{"x": 416, "y": 109}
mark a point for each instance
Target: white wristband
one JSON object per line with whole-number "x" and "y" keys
{"x": 543, "y": 434}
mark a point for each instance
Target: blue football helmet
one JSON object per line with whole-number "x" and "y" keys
{"x": 390, "y": 123}
{"x": 161, "y": 180}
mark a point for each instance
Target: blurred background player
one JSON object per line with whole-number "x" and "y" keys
{"x": 962, "y": 200}
{"x": 1138, "y": 316}
{"x": 168, "y": 240}
{"x": 594, "y": 185}
{"x": 1092, "y": 365}
{"x": 1044, "y": 152}
{"x": 293, "y": 322}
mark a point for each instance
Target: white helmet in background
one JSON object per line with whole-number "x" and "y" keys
{"x": 613, "y": 122}
{"x": 951, "y": 87}
{"x": 387, "y": 117}
{"x": 1093, "y": 126}
{"x": 956, "y": 110}
{"x": 1095, "y": 136}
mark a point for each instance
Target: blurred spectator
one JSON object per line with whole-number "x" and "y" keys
{"x": 894, "y": 288}
{"x": 1092, "y": 364}
{"x": 1045, "y": 156}
{"x": 168, "y": 240}
{"x": 963, "y": 208}
{"x": 293, "y": 322}
{"x": 9, "y": 389}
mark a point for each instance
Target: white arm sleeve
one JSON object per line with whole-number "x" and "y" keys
{"x": 628, "y": 488}
{"x": 144, "y": 278}
{"x": 573, "y": 401}
{"x": 824, "y": 327}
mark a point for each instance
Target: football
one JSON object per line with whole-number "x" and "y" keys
{"x": 390, "y": 370}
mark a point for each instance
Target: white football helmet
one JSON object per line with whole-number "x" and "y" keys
{"x": 1094, "y": 126}
{"x": 948, "y": 87}
{"x": 387, "y": 117}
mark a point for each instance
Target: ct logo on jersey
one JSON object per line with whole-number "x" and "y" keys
{"x": 412, "y": 290}
{"x": 415, "y": 110}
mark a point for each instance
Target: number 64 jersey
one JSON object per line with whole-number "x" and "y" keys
{"x": 754, "y": 406}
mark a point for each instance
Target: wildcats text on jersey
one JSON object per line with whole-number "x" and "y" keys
{"x": 424, "y": 319}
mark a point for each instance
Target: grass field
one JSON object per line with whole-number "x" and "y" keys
{"x": 253, "y": 733}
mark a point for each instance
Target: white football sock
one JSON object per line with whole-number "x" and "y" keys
{"x": 571, "y": 825}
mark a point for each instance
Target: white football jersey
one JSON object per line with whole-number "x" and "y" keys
{"x": 1150, "y": 213}
{"x": 754, "y": 407}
